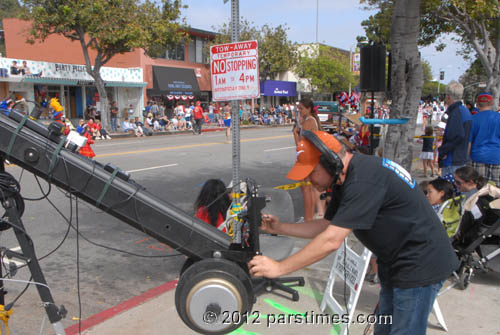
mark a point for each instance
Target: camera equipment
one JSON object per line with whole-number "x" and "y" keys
{"x": 214, "y": 262}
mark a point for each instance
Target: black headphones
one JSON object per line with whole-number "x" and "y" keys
{"x": 329, "y": 159}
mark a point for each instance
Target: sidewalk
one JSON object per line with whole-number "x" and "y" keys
{"x": 150, "y": 314}
{"x": 204, "y": 129}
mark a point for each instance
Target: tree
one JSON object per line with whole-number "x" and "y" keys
{"x": 406, "y": 79}
{"x": 8, "y": 8}
{"x": 325, "y": 69}
{"x": 276, "y": 53}
{"x": 430, "y": 87}
{"x": 378, "y": 27}
{"x": 476, "y": 23}
{"x": 472, "y": 79}
{"x": 108, "y": 27}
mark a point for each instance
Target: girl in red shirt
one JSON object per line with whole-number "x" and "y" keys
{"x": 86, "y": 150}
{"x": 212, "y": 203}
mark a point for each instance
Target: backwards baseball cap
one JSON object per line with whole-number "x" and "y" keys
{"x": 485, "y": 97}
{"x": 308, "y": 156}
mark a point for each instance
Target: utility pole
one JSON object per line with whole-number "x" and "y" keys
{"x": 317, "y": 21}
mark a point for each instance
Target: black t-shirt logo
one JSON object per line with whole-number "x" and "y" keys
{"x": 399, "y": 171}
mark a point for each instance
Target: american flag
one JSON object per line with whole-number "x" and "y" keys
{"x": 343, "y": 98}
{"x": 354, "y": 99}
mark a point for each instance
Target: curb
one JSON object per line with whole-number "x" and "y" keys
{"x": 122, "y": 307}
{"x": 162, "y": 133}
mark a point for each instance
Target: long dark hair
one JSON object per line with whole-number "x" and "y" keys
{"x": 443, "y": 185}
{"x": 308, "y": 103}
{"x": 468, "y": 174}
{"x": 215, "y": 197}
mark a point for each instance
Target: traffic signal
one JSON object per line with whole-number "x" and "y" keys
{"x": 441, "y": 75}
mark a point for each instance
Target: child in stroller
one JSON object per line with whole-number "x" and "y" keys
{"x": 478, "y": 231}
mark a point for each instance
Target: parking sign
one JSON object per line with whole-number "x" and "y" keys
{"x": 235, "y": 71}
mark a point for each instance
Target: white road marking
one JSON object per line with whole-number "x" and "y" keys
{"x": 277, "y": 149}
{"x": 152, "y": 168}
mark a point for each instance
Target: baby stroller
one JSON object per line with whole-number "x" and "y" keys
{"x": 477, "y": 239}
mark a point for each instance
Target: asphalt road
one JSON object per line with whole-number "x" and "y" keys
{"x": 171, "y": 167}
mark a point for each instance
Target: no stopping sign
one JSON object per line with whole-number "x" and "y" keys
{"x": 235, "y": 71}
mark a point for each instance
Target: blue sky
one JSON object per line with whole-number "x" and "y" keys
{"x": 339, "y": 24}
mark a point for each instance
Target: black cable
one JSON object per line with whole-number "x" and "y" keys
{"x": 78, "y": 268}
{"x": 11, "y": 304}
{"x": 44, "y": 194}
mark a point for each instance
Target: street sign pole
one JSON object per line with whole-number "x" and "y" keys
{"x": 235, "y": 118}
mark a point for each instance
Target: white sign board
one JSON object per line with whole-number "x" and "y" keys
{"x": 351, "y": 267}
{"x": 235, "y": 71}
{"x": 72, "y": 71}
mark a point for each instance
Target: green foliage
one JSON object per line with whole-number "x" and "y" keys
{"x": 430, "y": 87}
{"x": 9, "y": 8}
{"x": 276, "y": 53}
{"x": 474, "y": 75}
{"x": 427, "y": 71}
{"x": 108, "y": 26}
{"x": 475, "y": 23}
{"x": 326, "y": 70}
{"x": 378, "y": 27}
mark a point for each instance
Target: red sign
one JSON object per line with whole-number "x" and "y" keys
{"x": 235, "y": 71}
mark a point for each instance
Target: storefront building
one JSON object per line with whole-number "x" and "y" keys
{"x": 180, "y": 73}
{"x": 71, "y": 84}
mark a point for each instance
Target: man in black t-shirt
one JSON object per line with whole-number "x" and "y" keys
{"x": 381, "y": 204}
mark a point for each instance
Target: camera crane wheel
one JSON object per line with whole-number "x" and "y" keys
{"x": 214, "y": 296}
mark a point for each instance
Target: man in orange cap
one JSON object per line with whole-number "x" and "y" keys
{"x": 382, "y": 205}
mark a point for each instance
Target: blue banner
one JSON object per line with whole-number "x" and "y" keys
{"x": 278, "y": 88}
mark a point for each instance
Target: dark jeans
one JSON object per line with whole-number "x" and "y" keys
{"x": 197, "y": 125}
{"x": 410, "y": 309}
{"x": 114, "y": 126}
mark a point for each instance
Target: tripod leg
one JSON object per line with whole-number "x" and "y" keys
{"x": 53, "y": 312}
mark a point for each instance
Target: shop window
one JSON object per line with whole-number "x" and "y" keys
{"x": 198, "y": 50}
{"x": 176, "y": 52}
{"x": 192, "y": 50}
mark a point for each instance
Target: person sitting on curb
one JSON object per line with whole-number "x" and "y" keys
{"x": 138, "y": 127}
{"x": 102, "y": 132}
{"x": 81, "y": 127}
{"x": 127, "y": 126}
{"x": 94, "y": 130}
